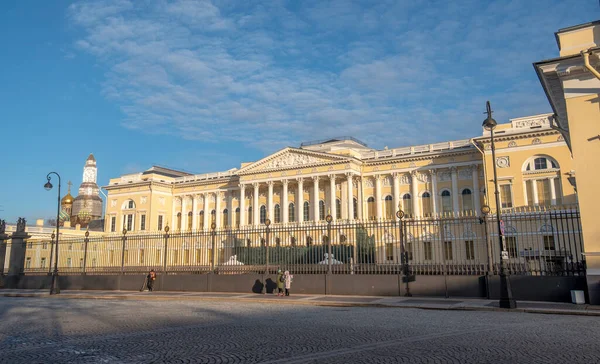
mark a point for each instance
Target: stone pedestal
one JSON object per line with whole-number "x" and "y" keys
{"x": 18, "y": 249}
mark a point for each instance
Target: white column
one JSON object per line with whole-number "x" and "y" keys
{"x": 218, "y": 212}
{"x": 536, "y": 200}
{"x": 434, "y": 191}
{"x": 524, "y": 193}
{"x": 230, "y": 211}
{"x": 343, "y": 196}
{"x": 194, "y": 212}
{"x": 455, "y": 204}
{"x": 270, "y": 204}
{"x": 300, "y": 200}
{"x": 243, "y": 220}
{"x": 316, "y": 198}
{"x": 378, "y": 209}
{"x": 552, "y": 191}
{"x": 255, "y": 205}
{"x": 396, "y": 188}
{"x": 476, "y": 201}
{"x": 332, "y": 198}
{"x": 206, "y": 211}
{"x": 184, "y": 226}
{"x": 415, "y": 194}
{"x": 360, "y": 206}
{"x": 174, "y": 220}
{"x": 350, "y": 196}
{"x": 284, "y": 202}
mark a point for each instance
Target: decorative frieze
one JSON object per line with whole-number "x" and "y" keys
{"x": 387, "y": 181}
{"x": 369, "y": 183}
{"x": 423, "y": 177}
{"x": 465, "y": 174}
{"x": 143, "y": 200}
{"x": 512, "y": 144}
{"x": 113, "y": 203}
{"x": 291, "y": 160}
{"x": 445, "y": 176}
{"x": 536, "y": 141}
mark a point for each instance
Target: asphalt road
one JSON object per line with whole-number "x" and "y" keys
{"x": 41, "y": 330}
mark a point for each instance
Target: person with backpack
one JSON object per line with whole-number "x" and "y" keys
{"x": 280, "y": 283}
{"x": 150, "y": 278}
{"x": 288, "y": 278}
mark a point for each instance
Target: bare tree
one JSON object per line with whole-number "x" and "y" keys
{"x": 51, "y": 221}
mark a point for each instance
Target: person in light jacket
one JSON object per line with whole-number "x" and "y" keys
{"x": 280, "y": 282}
{"x": 288, "y": 278}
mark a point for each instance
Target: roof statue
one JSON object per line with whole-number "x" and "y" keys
{"x": 21, "y": 225}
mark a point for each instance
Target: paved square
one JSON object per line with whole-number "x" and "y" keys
{"x": 44, "y": 330}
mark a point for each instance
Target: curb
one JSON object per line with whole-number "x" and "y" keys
{"x": 586, "y": 312}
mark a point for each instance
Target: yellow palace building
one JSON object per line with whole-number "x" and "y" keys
{"x": 345, "y": 178}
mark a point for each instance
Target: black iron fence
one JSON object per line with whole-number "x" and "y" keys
{"x": 538, "y": 243}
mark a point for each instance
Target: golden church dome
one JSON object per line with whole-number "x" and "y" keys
{"x": 68, "y": 199}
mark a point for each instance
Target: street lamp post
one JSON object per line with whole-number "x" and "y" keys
{"x": 54, "y": 289}
{"x": 506, "y": 297}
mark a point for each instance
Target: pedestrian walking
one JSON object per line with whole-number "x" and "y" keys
{"x": 280, "y": 282}
{"x": 150, "y": 278}
{"x": 288, "y": 278}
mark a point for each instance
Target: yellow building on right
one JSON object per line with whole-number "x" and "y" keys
{"x": 572, "y": 85}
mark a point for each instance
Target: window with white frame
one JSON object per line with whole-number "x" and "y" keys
{"x": 506, "y": 196}
{"x": 263, "y": 214}
{"x": 541, "y": 188}
{"x": 321, "y": 210}
{"x": 407, "y": 204}
{"x": 389, "y": 208}
{"x": 306, "y": 211}
{"x": 426, "y": 202}
{"x": 467, "y": 200}
{"x": 446, "y": 201}
{"x": 338, "y": 209}
{"x": 292, "y": 212}
{"x": 371, "y": 208}
{"x": 277, "y": 212}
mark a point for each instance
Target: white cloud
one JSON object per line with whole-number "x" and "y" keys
{"x": 277, "y": 73}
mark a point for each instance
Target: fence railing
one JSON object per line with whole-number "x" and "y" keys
{"x": 537, "y": 243}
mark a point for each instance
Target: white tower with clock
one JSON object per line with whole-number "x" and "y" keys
{"x": 87, "y": 205}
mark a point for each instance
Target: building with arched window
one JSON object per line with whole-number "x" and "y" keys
{"x": 349, "y": 180}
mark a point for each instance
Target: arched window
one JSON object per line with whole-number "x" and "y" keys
{"x": 179, "y": 221}
{"x": 263, "y": 214}
{"x": 467, "y": 200}
{"x": 292, "y": 212}
{"x": 355, "y": 208}
{"x": 407, "y": 204}
{"x": 306, "y": 211}
{"x": 446, "y": 201}
{"x": 426, "y": 202}
{"x": 389, "y": 208}
{"x": 338, "y": 209}
{"x": 540, "y": 163}
{"x": 250, "y": 215}
{"x": 128, "y": 205}
{"x": 277, "y": 212}
{"x": 190, "y": 222}
{"x": 542, "y": 189}
{"x": 237, "y": 217}
{"x": 225, "y": 217}
{"x": 201, "y": 218}
{"x": 321, "y": 210}
{"x": 371, "y": 208}
{"x": 213, "y": 216}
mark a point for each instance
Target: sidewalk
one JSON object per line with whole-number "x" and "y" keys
{"x": 437, "y": 303}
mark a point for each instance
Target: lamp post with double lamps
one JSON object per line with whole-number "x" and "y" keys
{"x": 54, "y": 289}
{"x": 506, "y": 297}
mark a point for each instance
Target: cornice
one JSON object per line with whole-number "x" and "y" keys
{"x": 421, "y": 157}
{"x": 514, "y": 136}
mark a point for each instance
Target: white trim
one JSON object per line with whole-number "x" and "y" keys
{"x": 444, "y": 189}
{"x": 527, "y": 147}
{"x": 423, "y": 169}
{"x": 110, "y": 194}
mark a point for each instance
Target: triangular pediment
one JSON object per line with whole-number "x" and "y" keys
{"x": 290, "y": 158}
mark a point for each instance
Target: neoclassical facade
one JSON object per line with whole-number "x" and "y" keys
{"x": 345, "y": 178}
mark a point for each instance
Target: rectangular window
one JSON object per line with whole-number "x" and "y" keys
{"x": 529, "y": 187}
{"x": 43, "y": 263}
{"x": 141, "y": 256}
{"x": 160, "y": 222}
{"x": 506, "y": 196}
{"x": 30, "y": 245}
{"x": 557, "y": 191}
{"x": 113, "y": 224}
{"x": 143, "y": 222}
{"x": 428, "y": 251}
{"x": 549, "y": 242}
{"x": 447, "y": 250}
{"x": 511, "y": 245}
{"x": 28, "y": 263}
{"x": 389, "y": 251}
{"x": 129, "y": 222}
{"x": 470, "y": 249}
{"x": 409, "y": 250}
{"x": 44, "y": 246}
{"x": 544, "y": 193}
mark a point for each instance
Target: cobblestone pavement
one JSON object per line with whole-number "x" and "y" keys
{"x": 37, "y": 330}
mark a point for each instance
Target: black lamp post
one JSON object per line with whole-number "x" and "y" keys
{"x": 506, "y": 297}
{"x": 54, "y": 289}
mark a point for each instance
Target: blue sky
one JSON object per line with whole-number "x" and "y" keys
{"x": 203, "y": 86}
